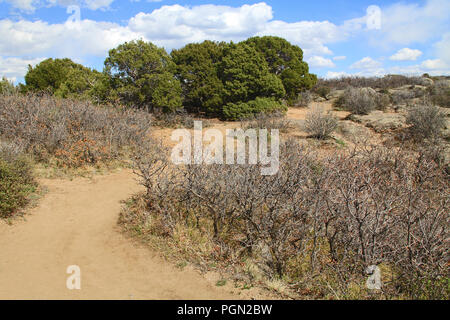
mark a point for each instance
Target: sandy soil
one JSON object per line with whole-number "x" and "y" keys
{"x": 75, "y": 224}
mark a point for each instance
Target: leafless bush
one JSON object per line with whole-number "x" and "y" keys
{"x": 74, "y": 132}
{"x": 320, "y": 124}
{"x": 303, "y": 100}
{"x": 322, "y": 91}
{"x": 275, "y": 120}
{"x": 386, "y": 82}
{"x": 358, "y": 101}
{"x": 440, "y": 93}
{"x": 10, "y": 151}
{"x": 384, "y": 206}
{"x": 426, "y": 121}
{"x": 402, "y": 97}
{"x": 320, "y": 221}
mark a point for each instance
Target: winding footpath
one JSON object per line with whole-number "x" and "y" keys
{"x": 75, "y": 224}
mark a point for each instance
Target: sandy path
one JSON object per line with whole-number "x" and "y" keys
{"x": 75, "y": 224}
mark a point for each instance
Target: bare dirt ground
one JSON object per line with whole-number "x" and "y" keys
{"x": 75, "y": 224}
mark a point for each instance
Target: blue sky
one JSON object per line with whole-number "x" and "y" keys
{"x": 338, "y": 37}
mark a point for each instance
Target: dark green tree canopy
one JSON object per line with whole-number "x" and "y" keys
{"x": 63, "y": 78}
{"x": 286, "y": 62}
{"x": 245, "y": 75}
{"x": 141, "y": 75}
{"x": 197, "y": 69}
{"x": 211, "y": 78}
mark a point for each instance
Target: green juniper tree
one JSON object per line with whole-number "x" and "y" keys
{"x": 141, "y": 76}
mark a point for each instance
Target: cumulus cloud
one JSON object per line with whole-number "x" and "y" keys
{"x": 406, "y": 54}
{"x": 433, "y": 64}
{"x": 13, "y": 68}
{"x": 29, "y": 6}
{"x": 404, "y": 23}
{"x": 169, "y": 26}
{"x": 320, "y": 62}
{"x": 71, "y": 39}
{"x": 335, "y": 75}
{"x": 23, "y": 5}
{"x": 339, "y": 58}
{"x": 173, "y": 26}
{"x": 366, "y": 63}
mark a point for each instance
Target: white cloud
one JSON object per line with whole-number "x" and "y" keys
{"x": 13, "y": 68}
{"x": 24, "y": 5}
{"x": 334, "y": 75}
{"x": 434, "y": 64}
{"x": 339, "y": 58}
{"x": 406, "y": 54}
{"x": 169, "y": 26}
{"x": 320, "y": 62}
{"x": 30, "y": 6}
{"x": 74, "y": 40}
{"x": 312, "y": 36}
{"x": 366, "y": 63}
{"x": 442, "y": 49}
{"x": 413, "y": 23}
{"x": 174, "y": 26}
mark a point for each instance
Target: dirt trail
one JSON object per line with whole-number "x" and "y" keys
{"x": 75, "y": 224}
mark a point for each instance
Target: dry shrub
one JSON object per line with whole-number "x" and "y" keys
{"x": 303, "y": 99}
{"x": 274, "y": 120}
{"x": 358, "y": 101}
{"x": 76, "y": 133}
{"x": 426, "y": 121}
{"x": 320, "y": 124}
{"x": 319, "y": 223}
{"x": 440, "y": 93}
{"x": 16, "y": 180}
{"x": 322, "y": 91}
{"x": 386, "y": 82}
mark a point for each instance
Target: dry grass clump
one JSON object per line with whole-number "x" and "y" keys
{"x": 73, "y": 132}
{"x": 316, "y": 225}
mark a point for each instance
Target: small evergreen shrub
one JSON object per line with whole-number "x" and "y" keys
{"x": 245, "y": 110}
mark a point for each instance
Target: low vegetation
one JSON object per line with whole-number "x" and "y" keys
{"x": 358, "y": 100}
{"x": 16, "y": 180}
{"x": 440, "y": 93}
{"x": 72, "y": 133}
{"x": 320, "y": 124}
{"x": 386, "y": 82}
{"x": 426, "y": 121}
{"x": 316, "y": 226}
